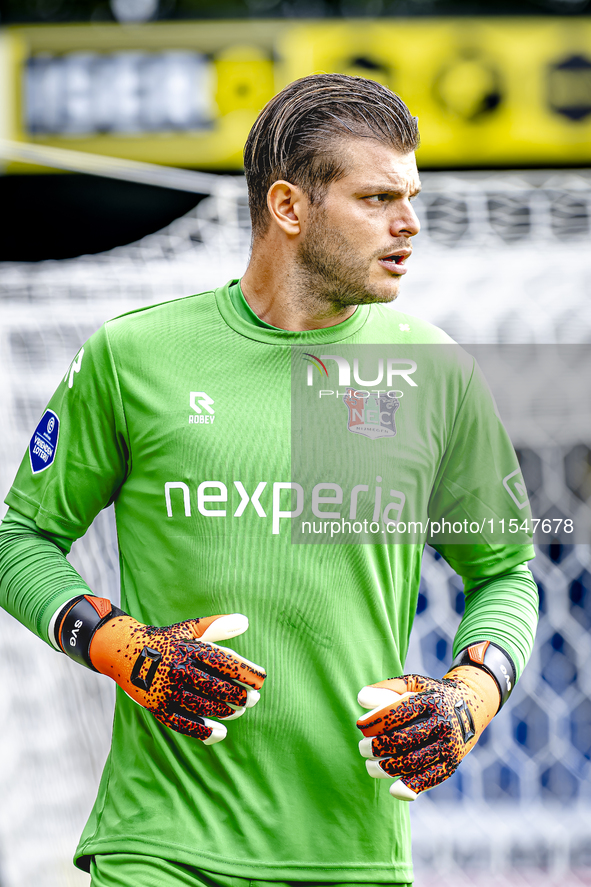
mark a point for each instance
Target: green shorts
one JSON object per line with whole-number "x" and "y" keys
{"x": 134, "y": 870}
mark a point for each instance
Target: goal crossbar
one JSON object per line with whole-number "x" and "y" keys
{"x": 117, "y": 168}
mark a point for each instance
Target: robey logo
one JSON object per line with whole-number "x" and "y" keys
{"x": 202, "y": 404}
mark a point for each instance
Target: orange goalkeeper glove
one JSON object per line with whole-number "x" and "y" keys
{"x": 420, "y": 728}
{"x": 178, "y": 673}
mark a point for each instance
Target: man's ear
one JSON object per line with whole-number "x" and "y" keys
{"x": 287, "y": 205}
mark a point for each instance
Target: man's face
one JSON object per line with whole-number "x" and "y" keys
{"x": 355, "y": 243}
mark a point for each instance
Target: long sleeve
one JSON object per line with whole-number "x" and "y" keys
{"x": 35, "y": 576}
{"x": 503, "y": 609}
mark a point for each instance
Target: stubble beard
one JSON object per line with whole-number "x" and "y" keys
{"x": 331, "y": 276}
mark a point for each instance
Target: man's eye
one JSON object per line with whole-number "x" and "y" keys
{"x": 378, "y": 198}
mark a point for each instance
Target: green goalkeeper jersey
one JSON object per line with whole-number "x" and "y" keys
{"x": 195, "y": 422}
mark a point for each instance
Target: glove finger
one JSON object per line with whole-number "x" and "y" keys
{"x": 416, "y": 709}
{"x": 398, "y": 788}
{"x": 218, "y": 628}
{"x": 228, "y": 664}
{"x": 421, "y": 782}
{"x": 387, "y": 745}
{"x": 252, "y": 696}
{"x": 209, "y": 732}
{"x": 401, "y": 791}
{"x": 408, "y": 683}
{"x": 255, "y": 674}
{"x": 400, "y": 714}
{"x": 377, "y": 697}
{"x": 209, "y": 685}
{"x": 185, "y": 701}
{"x": 414, "y": 683}
{"x": 408, "y": 788}
{"x": 412, "y": 762}
{"x": 233, "y": 693}
{"x": 411, "y": 737}
{"x": 397, "y": 685}
{"x": 236, "y": 713}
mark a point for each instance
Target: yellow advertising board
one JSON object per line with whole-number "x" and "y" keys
{"x": 488, "y": 92}
{"x": 87, "y": 88}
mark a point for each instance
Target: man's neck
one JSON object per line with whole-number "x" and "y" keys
{"x": 278, "y": 295}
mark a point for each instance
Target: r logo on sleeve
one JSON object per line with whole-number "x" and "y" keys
{"x": 515, "y": 486}
{"x": 43, "y": 445}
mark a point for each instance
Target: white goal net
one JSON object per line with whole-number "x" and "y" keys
{"x": 503, "y": 258}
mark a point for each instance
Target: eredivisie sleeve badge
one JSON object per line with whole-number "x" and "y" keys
{"x": 43, "y": 445}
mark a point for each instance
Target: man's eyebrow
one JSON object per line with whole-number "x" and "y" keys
{"x": 388, "y": 188}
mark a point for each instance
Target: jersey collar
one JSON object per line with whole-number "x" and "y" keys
{"x": 274, "y": 336}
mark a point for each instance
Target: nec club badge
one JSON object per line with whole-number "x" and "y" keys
{"x": 43, "y": 445}
{"x": 371, "y": 415}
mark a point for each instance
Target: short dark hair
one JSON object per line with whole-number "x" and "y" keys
{"x": 294, "y": 136}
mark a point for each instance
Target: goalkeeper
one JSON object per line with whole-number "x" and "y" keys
{"x": 181, "y": 415}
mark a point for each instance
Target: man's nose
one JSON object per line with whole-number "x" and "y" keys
{"x": 405, "y": 222}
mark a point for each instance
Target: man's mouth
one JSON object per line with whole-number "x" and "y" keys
{"x": 395, "y": 262}
{"x": 397, "y": 259}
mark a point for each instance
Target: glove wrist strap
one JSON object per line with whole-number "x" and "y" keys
{"x": 77, "y": 623}
{"x": 492, "y": 659}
